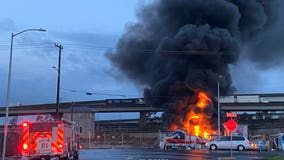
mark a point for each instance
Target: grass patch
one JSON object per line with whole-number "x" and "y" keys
{"x": 276, "y": 158}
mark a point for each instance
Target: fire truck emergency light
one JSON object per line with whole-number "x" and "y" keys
{"x": 25, "y": 124}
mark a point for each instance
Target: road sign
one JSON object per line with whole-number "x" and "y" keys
{"x": 231, "y": 125}
{"x": 231, "y": 114}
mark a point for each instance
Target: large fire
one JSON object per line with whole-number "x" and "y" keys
{"x": 196, "y": 122}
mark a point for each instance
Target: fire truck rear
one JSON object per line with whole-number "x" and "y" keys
{"x": 50, "y": 139}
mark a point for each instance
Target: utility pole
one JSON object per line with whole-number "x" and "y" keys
{"x": 60, "y": 47}
{"x": 72, "y": 110}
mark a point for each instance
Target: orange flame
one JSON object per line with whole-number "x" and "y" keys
{"x": 196, "y": 130}
{"x": 196, "y": 121}
{"x": 203, "y": 100}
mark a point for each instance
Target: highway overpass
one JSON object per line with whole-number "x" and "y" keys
{"x": 253, "y": 102}
{"x": 237, "y": 102}
{"x": 84, "y": 112}
{"x": 109, "y": 105}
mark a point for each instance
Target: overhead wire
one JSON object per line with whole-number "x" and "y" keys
{"x": 123, "y": 95}
{"x": 94, "y": 93}
{"x": 101, "y": 47}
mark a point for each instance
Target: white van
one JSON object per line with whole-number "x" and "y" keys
{"x": 238, "y": 143}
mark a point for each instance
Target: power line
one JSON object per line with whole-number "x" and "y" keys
{"x": 101, "y": 47}
{"x": 122, "y": 95}
{"x": 94, "y": 93}
{"x": 26, "y": 47}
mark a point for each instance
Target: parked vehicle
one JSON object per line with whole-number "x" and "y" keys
{"x": 260, "y": 145}
{"x": 237, "y": 143}
{"x": 277, "y": 141}
{"x": 179, "y": 139}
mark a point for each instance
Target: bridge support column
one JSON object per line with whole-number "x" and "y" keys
{"x": 142, "y": 119}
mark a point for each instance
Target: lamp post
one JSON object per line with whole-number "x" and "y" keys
{"x": 219, "y": 114}
{"x": 9, "y": 84}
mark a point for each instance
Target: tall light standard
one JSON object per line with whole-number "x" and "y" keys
{"x": 9, "y": 84}
{"x": 219, "y": 114}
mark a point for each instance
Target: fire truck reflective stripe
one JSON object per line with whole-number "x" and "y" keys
{"x": 26, "y": 137}
{"x": 25, "y": 146}
{"x": 34, "y": 142}
{"x": 60, "y": 139}
{"x": 35, "y": 136}
{"x": 57, "y": 146}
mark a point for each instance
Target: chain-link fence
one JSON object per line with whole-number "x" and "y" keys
{"x": 123, "y": 140}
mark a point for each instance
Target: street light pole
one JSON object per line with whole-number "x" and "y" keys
{"x": 9, "y": 86}
{"x": 219, "y": 114}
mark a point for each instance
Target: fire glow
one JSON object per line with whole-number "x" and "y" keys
{"x": 203, "y": 100}
{"x": 196, "y": 121}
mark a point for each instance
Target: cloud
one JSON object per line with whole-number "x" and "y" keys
{"x": 83, "y": 66}
{"x": 7, "y": 25}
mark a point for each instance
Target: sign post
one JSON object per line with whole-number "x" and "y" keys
{"x": 231, "y": 125}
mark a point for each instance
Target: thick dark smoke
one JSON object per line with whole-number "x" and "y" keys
{"x": 180, "y": 46}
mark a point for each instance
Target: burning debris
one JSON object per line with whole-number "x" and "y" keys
{"x": 178, "y": 49}
{"x": 193, "y": 119}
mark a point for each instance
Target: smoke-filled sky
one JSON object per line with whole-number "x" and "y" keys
{"x": 179, "y": 46}
{"x": 88, "y": 29}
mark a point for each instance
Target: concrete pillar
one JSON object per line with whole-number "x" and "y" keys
{"x": 85, "y": 120}
{"x": 142, "y": 119}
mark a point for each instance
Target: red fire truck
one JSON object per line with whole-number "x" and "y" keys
{"x": 48, "y": 139}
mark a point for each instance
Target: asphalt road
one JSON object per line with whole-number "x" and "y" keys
{"x": 150, "y": 154}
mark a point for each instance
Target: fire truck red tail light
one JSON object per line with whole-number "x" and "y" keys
{"x": 25, "y": 146}
{"x": 25, "y": 124}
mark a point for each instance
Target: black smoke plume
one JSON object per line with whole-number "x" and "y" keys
{"x": 178, "y": 47}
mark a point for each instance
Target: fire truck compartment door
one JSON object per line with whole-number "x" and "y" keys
{"x": 44, "y": 145}
{"x": 54, "y": 134}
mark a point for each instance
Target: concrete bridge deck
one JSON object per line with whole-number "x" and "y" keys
{"x": 237, "y": 102}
